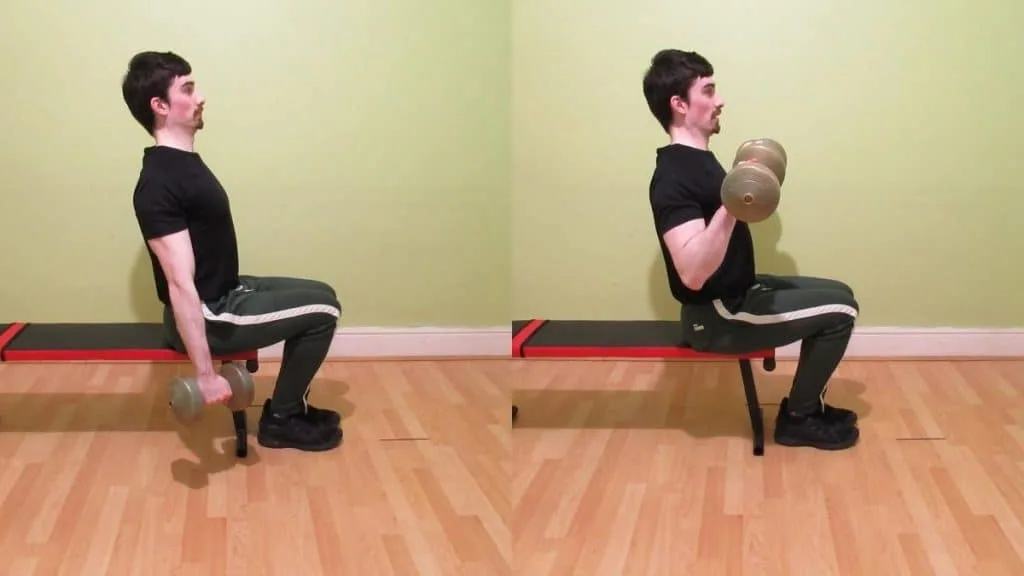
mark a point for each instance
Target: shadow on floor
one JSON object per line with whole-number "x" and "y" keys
{"x": 704, "y": 403}
{"x": 211, "y": 439}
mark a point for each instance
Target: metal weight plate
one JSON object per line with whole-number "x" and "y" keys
{"x": 185, "y": 398}
{"x": 765, "y": 151}
{"x": 751, "y": 192}
{"x": 243, "y": 390}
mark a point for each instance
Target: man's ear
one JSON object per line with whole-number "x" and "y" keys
{"x": 677, "y": 104}
{"x": 158, "y": 106}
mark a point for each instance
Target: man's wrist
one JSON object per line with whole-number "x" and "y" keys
{"x": 205, "y": 371}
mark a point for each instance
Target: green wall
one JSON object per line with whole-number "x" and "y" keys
{"x": 362, "y": 142}
{"x": 901, "y": 120}
{"x": 464, "y": 162}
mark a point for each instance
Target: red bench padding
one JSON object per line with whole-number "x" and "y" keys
{"x": 7, "y": 332}
{"x": 115, "y": 342}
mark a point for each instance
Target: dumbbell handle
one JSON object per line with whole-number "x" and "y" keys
{"x": 187, "y": 400}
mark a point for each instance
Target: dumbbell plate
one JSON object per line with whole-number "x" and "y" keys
{"x": 767, "y": 152}
{"x": 750, "y": 192}
{"x": 186, "y": 399}
{"x": 242, "y": 386}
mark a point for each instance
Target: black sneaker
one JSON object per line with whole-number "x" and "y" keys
{"x": 838, "y": 415}
{"x": 296, "y": 431}
{"x": 323, "y": 417}
{"x": 814, "y": 430}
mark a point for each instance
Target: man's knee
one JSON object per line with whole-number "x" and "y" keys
{"x": 846, "y": 308}
{"x": 836, "y": 284}
{"x": 327, "y": 288}
{"x": 329, "y": 305}
{"x": 319, "y": 307}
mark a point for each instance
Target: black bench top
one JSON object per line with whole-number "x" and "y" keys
{"x": 103, "y": 336}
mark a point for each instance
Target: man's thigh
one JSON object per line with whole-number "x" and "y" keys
{"x": 782, "y": 282}
{"x": 258, "y": 317}
{"x": 769, "y": 318}
{"x": 263, "y": 283}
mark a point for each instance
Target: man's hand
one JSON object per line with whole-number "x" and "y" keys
{"x": 215, "y": 388}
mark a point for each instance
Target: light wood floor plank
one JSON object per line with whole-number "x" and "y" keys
{"x": 629, "y": 468}
{"x": 97, "y": 478}
{"x": 646, "y": 468}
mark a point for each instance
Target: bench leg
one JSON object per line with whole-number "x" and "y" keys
{"x": 241, "y": 434}
{"x": 239, "y": 418}
{"x": 753, "y": 406}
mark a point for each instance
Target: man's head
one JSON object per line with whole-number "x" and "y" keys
{"x": 160, "y": 93}
{"x": 680, "y": 91}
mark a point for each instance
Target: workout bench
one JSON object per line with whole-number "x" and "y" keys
{"x": 115, "y": 342}
{"x": 631, "y": 339}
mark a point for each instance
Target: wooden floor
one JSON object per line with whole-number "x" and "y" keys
{"x": 646, "y": 469}
{"x": 96, "y": 478}
{"x": 614, "y": 468}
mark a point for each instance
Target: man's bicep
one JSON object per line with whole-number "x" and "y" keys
{"x": 677, "y": 214}
{"x": 678, "y": 237}
{"x": 174, "y": 253}
{"x": 674, "y": 203}
{"x": 159, "y": 211}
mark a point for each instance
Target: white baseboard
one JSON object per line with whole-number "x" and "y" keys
{"x": 427, "y": 342}
{"x": 926, "y": 343}
{"x": 430, "y": 342}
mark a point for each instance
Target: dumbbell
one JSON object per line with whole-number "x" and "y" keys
{"x": 187, "y": 400}
{"x": 752, "y": 188}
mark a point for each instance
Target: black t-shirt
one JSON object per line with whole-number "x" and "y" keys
{"x": 687, "y": 184}
{"x": 177, "y": 191}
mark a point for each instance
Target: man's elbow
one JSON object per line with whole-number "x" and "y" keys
{"x": 689, "y": 272}
{"x": 691, "y": 280}
{"x": 181, "y": 290}
{"x": 690, "y": 276}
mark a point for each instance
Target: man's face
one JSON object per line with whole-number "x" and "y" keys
{"x": 702, "y": 111}
{"x": 183, "y": 109}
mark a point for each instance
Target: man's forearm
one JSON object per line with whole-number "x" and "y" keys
{"x": 706, "y": 251}
{"x": 188, "y": 315}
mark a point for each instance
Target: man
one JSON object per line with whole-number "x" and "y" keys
{"x": 185, "y": 218}
{"x": 709, "y": 259}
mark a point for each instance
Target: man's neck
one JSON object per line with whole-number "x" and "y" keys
{"x": 688, "y": 137}
{"x": 177, "y": 140}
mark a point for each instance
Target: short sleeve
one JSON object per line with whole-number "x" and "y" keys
{"x": 673, "y": 203}
{"x": 158, "y": 210}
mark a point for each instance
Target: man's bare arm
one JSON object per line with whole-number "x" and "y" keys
{"x": 698, "y": 250}
{"x": 174, "y": 253}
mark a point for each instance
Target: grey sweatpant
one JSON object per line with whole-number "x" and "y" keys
{"x": 263, "y": 311}
{"x": 775, "y": 312}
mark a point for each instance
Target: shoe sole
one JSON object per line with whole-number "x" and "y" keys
{"x": 801, "y": 443}
{"x": 333, "y": 442}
